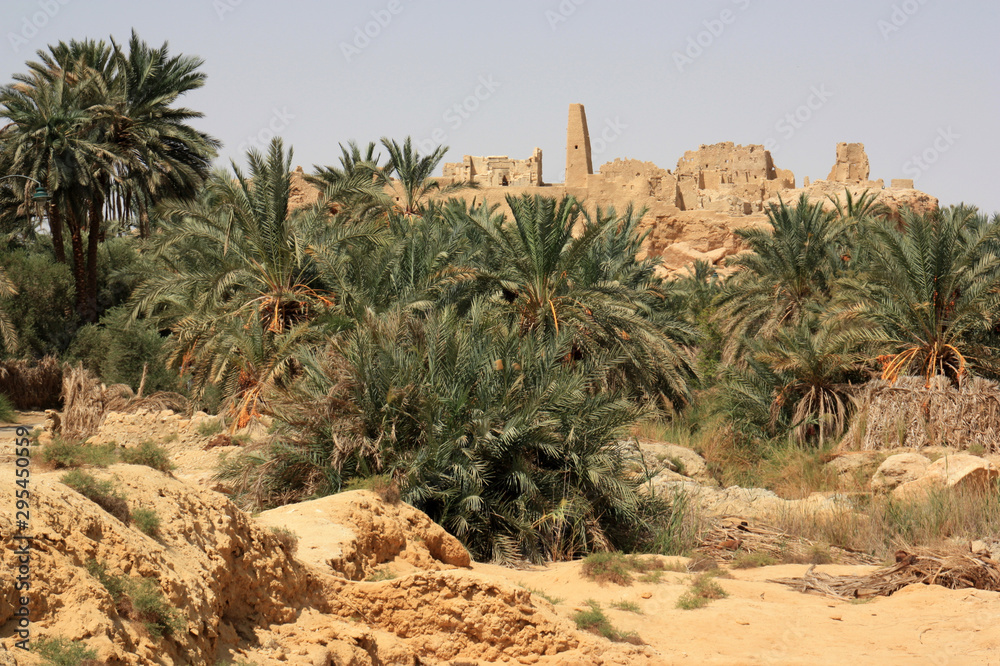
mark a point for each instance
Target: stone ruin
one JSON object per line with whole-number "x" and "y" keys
{"x": 497, "y": 171}
{"x": 690, "y": 212}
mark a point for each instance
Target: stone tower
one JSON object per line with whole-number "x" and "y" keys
{"x": 578, "y": 162}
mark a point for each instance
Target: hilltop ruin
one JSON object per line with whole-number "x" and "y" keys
{"x": 692, "y": 211}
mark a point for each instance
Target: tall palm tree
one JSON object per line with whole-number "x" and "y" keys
{"x": 51, "y": 138}
{"x": 356, "y": 187}
{"x": 159, "y": 154}
{"x": 930, "y": 294}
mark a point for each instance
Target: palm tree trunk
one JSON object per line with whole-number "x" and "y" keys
{"x": 143, "y": 218}
{"x": 79, "y": 265}
{"x": 93, "y": 239}
{"x": 56, "y": 227}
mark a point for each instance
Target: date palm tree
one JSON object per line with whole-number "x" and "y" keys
{"x": 413, "y": 172}
{"x": 8, "y": 333}
{"x": 930, "y": 295}
{"x": 790, "y": 271}
{"x": 240, "y": 275}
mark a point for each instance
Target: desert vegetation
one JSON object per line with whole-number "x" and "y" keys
{"x": 484, "y": 368}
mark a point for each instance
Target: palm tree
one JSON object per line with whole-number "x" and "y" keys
{"x": 589, "y": 284}
{"x": 929, "y": 295}
{"x": 236, "y": 260}
{"x": 159, "y": 155}
{"x": 790, "y": 271}
{"x": 413, "y": 172}
{"x": 812, "y": 362}
{"x": 8, "y": 334}
{"x": 51, "y": 138}
{"x": 356, "y": 186}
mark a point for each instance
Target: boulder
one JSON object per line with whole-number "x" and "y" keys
{"x": 899, "y": 469}
{"x": 957, "y": 470}
{"x": 677, "y": 459}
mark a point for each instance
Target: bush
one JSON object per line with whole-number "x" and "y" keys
{"x": 753, "y": 560}
{"x": 62, "y": 453}
{"x": 102, "y": 493}
{"x": 596, "y": 622}
{"x": 149, "y": 454}
{"x": 7, "y": 414}
{"x": 59, "y": 651}
{"x": 703, "y": 590}
{"x": 139, "y": 599}
{"x": 210, "y": 427}
{"x": 617, "y": 568}
{"x": 117, "y": 349}
{"x": 146, "y": 520}
{"x": 43, "y": 310}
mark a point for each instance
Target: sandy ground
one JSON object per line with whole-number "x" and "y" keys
{"x": 768, "y": 623}
{"x": 759, "y": 622}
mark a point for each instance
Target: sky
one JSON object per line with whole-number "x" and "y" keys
{"x": 916, "y": 81}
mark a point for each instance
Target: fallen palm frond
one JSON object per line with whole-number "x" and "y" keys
{"x": 915, "y": 412}
{"x": 732, "y": 536}
{"x": 32, "y": 384}
{"x": 956, "y": 571}
{"x": 86, "y": 401}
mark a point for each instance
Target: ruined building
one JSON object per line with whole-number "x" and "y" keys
{"x": 692, "y": 211}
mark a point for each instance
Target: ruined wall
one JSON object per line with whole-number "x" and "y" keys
{"x": 497, "y": 170}
{"x": 851, "y": 165}
{"x": 728, "y": 178}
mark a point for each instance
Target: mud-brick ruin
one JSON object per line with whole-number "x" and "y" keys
{"x": 692, "y": 211}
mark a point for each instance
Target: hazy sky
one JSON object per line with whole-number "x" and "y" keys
{"x": 916, "y": 81}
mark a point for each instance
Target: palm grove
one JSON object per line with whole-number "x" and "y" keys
{"x": 490, "y": 367}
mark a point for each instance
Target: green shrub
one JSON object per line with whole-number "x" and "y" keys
{"x": 139, "y": 599}
{"x": 103, "y": 493}
{"x": 43, "y": 309}
{"x": 7, "y": 414}
{"x": 59, "y": 651}
{"x": 596, "y": 622}
{"x": 628, "y": 606}
{"x": 704, "y": 589}
{"x": 117, "y": 349}
{"x": 149, "y": 454}
{"x": 146, "y": 520}
{"x": 153, "y": 609}
{"x": 62, "y": 453}
{"x": 209, "y": 427}
{"x": 617, "y": 568}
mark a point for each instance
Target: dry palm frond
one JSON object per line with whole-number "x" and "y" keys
{"x": 731, "y": 535}
{"x": 956, "y": 571}
{"x": 915, "y": 412}
{"x": 32, "y": 385}
{"x": 87, "y": 401}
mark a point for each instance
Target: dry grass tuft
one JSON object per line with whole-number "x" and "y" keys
{"x": 912, "y": 413}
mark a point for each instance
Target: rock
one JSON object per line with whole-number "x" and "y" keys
{"x": 898, "y": 469}
{"x": 855, "y": 463}
{"x": 679, "y": 460}
{"x": 957, "y": 470}
{"x": 354, "y": 534}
